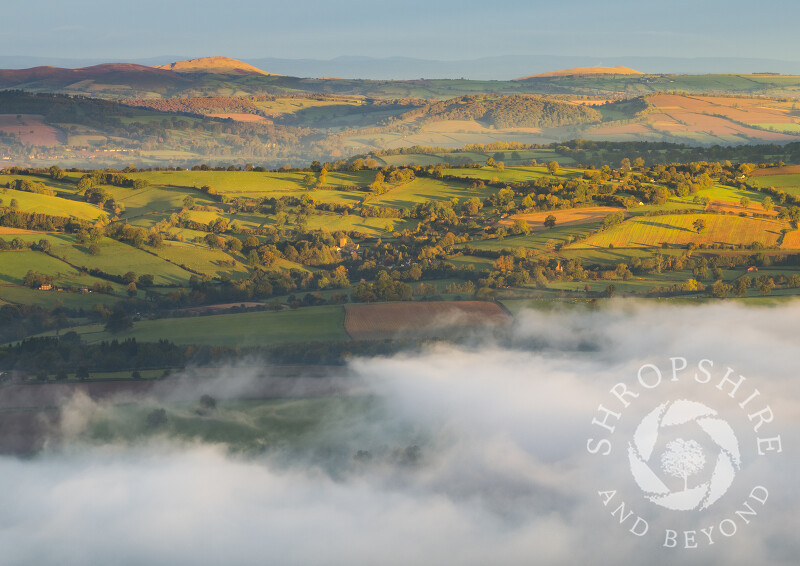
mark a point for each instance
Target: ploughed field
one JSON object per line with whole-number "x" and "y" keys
{"x": 388, "y": 320}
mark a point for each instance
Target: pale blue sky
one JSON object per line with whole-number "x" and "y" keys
{"x": 430, "y": 29}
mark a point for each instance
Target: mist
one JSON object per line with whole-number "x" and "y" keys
{"x": 469, "y": 454}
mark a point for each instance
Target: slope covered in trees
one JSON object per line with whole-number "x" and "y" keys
{"x": 507, "y": 111}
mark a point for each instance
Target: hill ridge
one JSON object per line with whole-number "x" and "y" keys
{"x": 577, "y": 71}
{"x": 216, "y": 64}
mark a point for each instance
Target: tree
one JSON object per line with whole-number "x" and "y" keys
{"x": 234, "y": 244}
{"x": 699, "y": 225}
{"x": 131, "y": 289}
{"x": 188, "y": 201}
{"x": 94, "y": 249}
{"x": 118, "y": 321}
{"x": 744, "y": 202}
{"x": 520, "y": 226}
{"x": 129, "y": 277}
{"x": 490, "y": 162}
{"x": 552, "y": 167}
{"x": 550, "y": 221}
{"x": 683, "y": 459}
{"x": 767, "y": 203}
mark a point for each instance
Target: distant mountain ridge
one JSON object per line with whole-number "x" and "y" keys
{"x": 487, "y": 68}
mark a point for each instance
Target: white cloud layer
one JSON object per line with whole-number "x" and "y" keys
{"x": 503, "y": 476}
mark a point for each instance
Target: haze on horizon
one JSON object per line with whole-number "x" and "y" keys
{"x": 446, "y": 30}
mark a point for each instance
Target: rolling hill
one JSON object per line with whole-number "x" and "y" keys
{"x": 213, "y": 65}
{"x": 584, "y": 71}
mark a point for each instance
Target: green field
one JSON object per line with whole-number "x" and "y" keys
{"x": 300, "y": 424}
{"x": 54, "y": 206}
{"x": 425, "y": 189}
{"x": 540, "y": 241}
{"x": 515, "y": 174}
{"x": 325, "y": 323}
{"x": 251, "y": 183}
{"x": 787, "y": 183}
{"x": 115, "y": 257}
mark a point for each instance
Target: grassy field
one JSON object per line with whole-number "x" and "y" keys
{"x": 201, "y": 258}
{"x": 542, "y": 241}
{"x": 677, "y": 229}
{"x": 425, "y": 189}
{"x": 298, "y": 424}
{"x": 250, "y": 183}
{"x": 15, "y": 264}
{"x": 789, "y": 183}
{"x": 325, "y": 323}
{"x": 55, "y": 206}
{"x": 515, "y": 174}
{"x": 115, "y": 258}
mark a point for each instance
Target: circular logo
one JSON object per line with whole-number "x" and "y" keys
{"x": 681, "y": 458}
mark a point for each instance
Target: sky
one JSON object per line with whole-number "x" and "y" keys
{"x": 442, "y": 30}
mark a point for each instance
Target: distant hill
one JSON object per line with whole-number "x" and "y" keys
{"x": 578, "y": 71}
{"x": 506, "y": 111}
{"x": 214, "y": 65}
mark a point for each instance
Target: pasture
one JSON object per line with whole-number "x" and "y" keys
{"x": 785, "y": 179}
{"x": 115, "y": 258}
{"x": 426, "y": 189}
{"x": 52, "y": 205}
{"x": 310, "y": 324}
{"x": 677, "y": 229}
{"x": 567, "y": 217}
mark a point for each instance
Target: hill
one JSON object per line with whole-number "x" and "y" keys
{"x": 507, "y": 111}
{"x": 585, "y": 71}
{"x": 214, "y": 65}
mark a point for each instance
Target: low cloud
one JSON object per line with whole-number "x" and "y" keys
{"x": 477, "y": 455}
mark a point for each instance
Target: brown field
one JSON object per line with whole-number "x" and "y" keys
{"x": 387, "y": 320}
{"x": 239, "y": 117}
{"x": 31, "y": 130}
{"x": 567, "y": 217}
{"x": 791, "y": 241}
{"x": 788, "y": 170}
{"x": 725, "y": 206}
{"x": 719, "y": 116}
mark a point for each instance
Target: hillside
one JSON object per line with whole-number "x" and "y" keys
{"x": 261, "y": 259}
{"x": 214, "y": 65}
{"x": 507, "y": 111}
{"x": 584, "y": 71}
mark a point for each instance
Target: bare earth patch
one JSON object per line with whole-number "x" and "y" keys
{"x": 388, "y": 320}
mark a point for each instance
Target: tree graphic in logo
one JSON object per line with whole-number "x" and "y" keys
{"x": 684, "y": 458}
